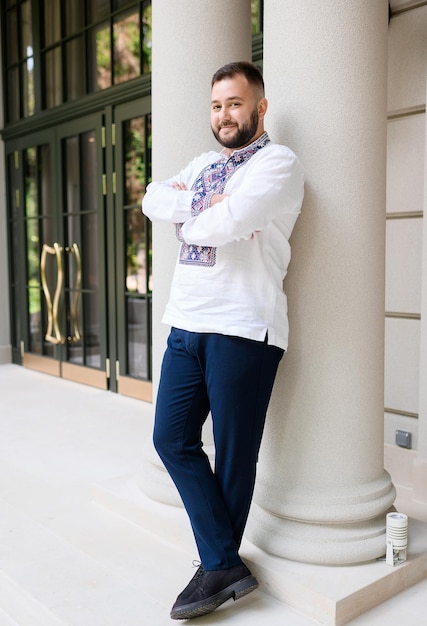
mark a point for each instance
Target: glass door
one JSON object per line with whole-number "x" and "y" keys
{"x": 63, "y": 236}
{"x": 83, "y": 317}
{"x": 81, "y": 256}
{"x": 39, "y": 225}
{"x": 132, "y": 164}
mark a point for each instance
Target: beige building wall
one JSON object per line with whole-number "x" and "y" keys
{"x": 406, "y": 254}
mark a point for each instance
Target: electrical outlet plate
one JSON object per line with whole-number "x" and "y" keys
{"x": 403, "y": 438}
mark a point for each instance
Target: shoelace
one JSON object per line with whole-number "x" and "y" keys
{"x": 200, "y": 570}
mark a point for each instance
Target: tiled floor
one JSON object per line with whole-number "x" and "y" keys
{"x": 66, "y": 560}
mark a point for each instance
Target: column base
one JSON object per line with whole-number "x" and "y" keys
{"x": 332, "y": 596}
{"x": 336, "y": 596}
{"x": 322, "y": 544}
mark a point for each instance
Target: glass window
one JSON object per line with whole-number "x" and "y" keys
{"x": 137, "y": 348}
{"x": 100, "y": 76}
{"x": 91, "y": 330}
{"x": 85, "y": 46}
{"x": 135, "y": 160}
{"x": 38, "y": 231}
{"x": 74, "y": 16}
{"x": 82, "y": 249}
{"x": 52, "y": 21}
{"x": 75, "y": 62}
{"x": 257, "y": 16}
{"x": 136, "y": 229}
{"x": 14, "y": 247}
{"x": 12, "y": 36}
{"x": 28, "y": 91}
{"x": 26, "y": 30}
{"x": 97, "y": 10}
{"x": 126, "y": 46}
{"x": 137, "y": 232}
{"x": 146, "y": 39}
{"x": 53, "y": 78}
{"x": 13, "y": 95}
{"x": 136, "y": 252}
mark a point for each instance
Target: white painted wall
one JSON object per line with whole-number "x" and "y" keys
{"x": 406, "y": 253}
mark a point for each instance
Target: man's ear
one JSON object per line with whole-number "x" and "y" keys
{"x": 262, "y": 107}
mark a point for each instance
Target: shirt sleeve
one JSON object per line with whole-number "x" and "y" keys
{"x": 272, "y": 186}
{"x": 164, "y": 203}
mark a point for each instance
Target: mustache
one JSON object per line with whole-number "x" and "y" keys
{"x": 227, "y": 123}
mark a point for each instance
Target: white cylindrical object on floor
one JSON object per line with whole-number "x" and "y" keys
{"x": 397, "y": 529}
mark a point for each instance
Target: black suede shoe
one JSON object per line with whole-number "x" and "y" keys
{"x": 207, "y": 590}
{"x": 191, "y": 587}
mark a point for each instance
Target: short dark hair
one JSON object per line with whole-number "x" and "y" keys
{"x": 251, "y": 72}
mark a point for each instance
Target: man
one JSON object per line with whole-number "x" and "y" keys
{"x": 234, "y": 212}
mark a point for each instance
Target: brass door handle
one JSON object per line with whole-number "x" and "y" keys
{"x": 76, "y": 336}
{"x": 53, "y": 332}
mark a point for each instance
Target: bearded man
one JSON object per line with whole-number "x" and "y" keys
{"x": 233, "y": 212}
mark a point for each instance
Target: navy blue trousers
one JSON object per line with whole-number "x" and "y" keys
{"x": 232, "y": 378}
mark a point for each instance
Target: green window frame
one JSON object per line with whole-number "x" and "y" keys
{"x": 57, "y": 51}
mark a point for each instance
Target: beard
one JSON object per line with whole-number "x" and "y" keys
{"x": 243, "y": 135}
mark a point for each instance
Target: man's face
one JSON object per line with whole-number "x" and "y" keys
{"x": 236, "y": 112}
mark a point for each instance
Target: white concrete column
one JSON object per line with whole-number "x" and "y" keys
{"x": 322, "y": 493}
{"x": 191, "y": 40}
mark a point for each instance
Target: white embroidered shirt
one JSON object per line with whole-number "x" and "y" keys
{"x": 234, "y": 255}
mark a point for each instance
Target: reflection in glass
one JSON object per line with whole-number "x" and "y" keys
{"x": 74, "y": 16}
{"x": 28, "y": 99}
{"x": 33, "y": 256}
{"x": 256, "y": 16}
{"x": 13, "y": 94}
{"x": 13, "y": 183}
{"x": 32, "y": 249}
{"x": 91, "y": 330}
{"x": 52, "y": 21}
{"x": 26, "y": 28}
{"x": 89, "y": 205}
{"x": 136, "y": 174}
{"x": 46, "y": 188}
{"x": 97, "y": 10}
{"x": 75, "y": 63}
{"x": 136, "y": 266}
{"x": 36, "y": 342}
{"x": 81, "y": 230}
{"x": 146, "y": 39}
{"x": 90, "y": 250}
{"x": 53, "y": 77}
{"x": 31, "y": 213}
{"x": 72, "y": 202}
{"x": 14, "y": 251}
{"x": 88, "y": 167}
{"x": 135, "y": 168}
{"x": 87, "y": 352}
{"x": 73, "y": 235}
{"x": 16, "y": 318}
{"x": 126, "y": 46}
{"x": 12, "y": 37}
{"x": 137, "y": 338}
{"x": 99, "y": 57}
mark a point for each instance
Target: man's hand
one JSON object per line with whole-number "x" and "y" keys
{"x": 218, "y": 197}
{"x": 179, "y": 186}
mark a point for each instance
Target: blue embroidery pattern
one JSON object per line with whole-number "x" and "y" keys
{"x": 211, "y": 180}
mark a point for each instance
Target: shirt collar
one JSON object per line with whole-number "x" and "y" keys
{"x": 262, "y": 141}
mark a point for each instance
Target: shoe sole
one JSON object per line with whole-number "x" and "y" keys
{"x": 236, "y": 591}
